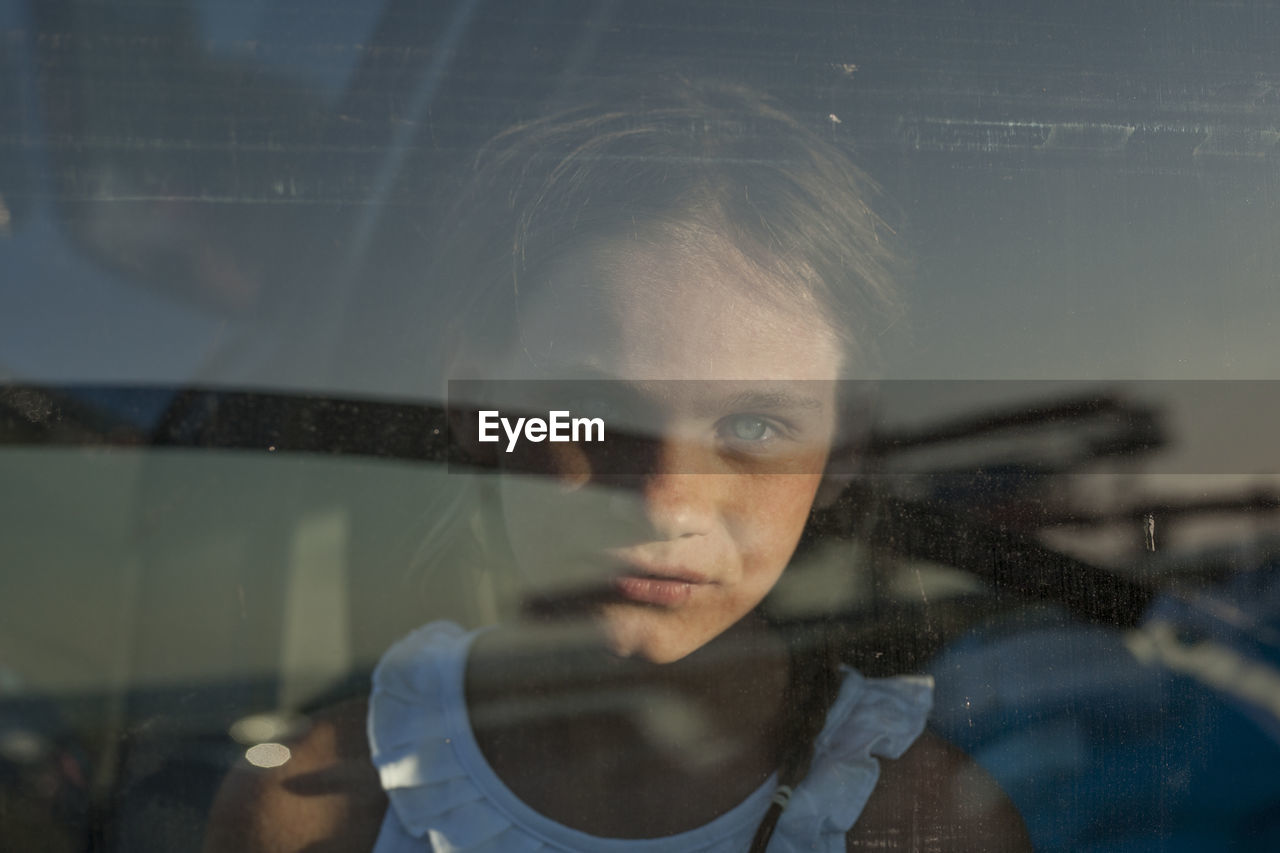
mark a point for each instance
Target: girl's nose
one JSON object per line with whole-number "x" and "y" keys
{"x": 676, "y": 497}
{"x": 679, "y": 505}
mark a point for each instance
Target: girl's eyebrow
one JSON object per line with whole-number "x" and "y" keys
{"x": 773, "y": 400}
{"x": 768, "y": 397}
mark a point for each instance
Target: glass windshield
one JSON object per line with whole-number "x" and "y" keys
{"x": 425, "y": 426}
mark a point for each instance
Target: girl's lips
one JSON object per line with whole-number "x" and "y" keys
{"x": 664, "y": 592}
{"x": 663, "y": 586}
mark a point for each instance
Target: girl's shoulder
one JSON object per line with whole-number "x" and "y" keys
{"x": 935, "y": 797}
{"x": 878, "y": 770}
{"x": 329, "y": 790}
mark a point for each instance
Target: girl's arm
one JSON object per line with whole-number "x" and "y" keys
{"x": 935, "y": 798}
{"x": 325, "y": 797}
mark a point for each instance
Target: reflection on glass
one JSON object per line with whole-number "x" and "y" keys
{"x": 267, "y": 754}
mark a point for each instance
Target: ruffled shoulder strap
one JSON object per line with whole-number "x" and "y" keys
{"x": 871, "y": 718}
{"x": 415, "y": 715}
{"x": 422, "y": 747}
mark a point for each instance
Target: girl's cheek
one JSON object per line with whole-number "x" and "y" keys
{"x": 569, "y": 464}
{"x": 776, "y": 507}
{"x": 563, "y": 464}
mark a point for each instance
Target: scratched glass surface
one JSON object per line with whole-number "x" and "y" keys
{"x": 227, "y": 483}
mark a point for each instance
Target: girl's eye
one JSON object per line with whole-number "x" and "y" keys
{"x": 750, "y": 428}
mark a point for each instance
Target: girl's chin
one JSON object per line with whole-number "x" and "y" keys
{"x": 642, "y": 635}
{"x": 608, "y": 630}
{"x": 628, "y": 630}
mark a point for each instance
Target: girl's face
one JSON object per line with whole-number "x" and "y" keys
{"x": 719, "y": 412}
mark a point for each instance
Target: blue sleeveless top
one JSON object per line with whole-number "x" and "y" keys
{"x": 445, "y": 797}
